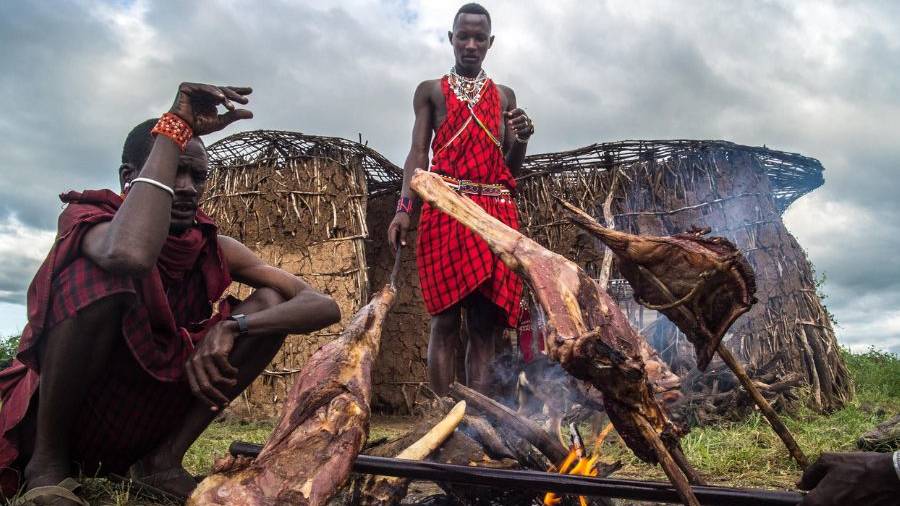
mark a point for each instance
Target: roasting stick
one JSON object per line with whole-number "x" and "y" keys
{"x": 738, "y": 369}
{"x": 587, "y": 221}
{"x": 511, "y": 246}
{"x": 540, "y": 481}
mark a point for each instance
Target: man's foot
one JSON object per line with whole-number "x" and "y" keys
{"x": 171, "y": 480}
{"x": 50, "y": 484}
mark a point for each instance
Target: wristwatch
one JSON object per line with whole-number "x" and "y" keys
{"x": 241, "y": 320}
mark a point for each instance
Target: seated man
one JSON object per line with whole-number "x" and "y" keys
{"x": 121, "y": 344}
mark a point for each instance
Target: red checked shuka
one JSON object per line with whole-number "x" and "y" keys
{"x": 452, "y": 261}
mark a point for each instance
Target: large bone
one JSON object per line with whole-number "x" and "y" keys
{"x": 323, "y": 425}
{"x": 702, "y": 284}
{"x": 389, "y": 490}
{"x": 586, "y": 333}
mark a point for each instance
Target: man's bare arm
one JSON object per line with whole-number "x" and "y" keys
{"x": 421, "y": 135}
{"x": 130, "y": 243}
{"x": 304, "y": 309}
{"x": 516, "y": 122}
{"x": 417, "y": 157}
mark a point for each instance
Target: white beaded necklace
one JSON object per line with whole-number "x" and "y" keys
{"x": 467, "y": 89}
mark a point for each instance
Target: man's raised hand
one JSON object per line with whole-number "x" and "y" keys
{"x": 519, "y": 122}
{"x": 197, "y": 104}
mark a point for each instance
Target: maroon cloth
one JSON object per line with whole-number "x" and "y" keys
{"x": 452, "y": 261}
{"x": 143, "y": 390}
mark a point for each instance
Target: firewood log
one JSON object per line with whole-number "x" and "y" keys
{"x": 389, "y": 490}
{"x": 322, "y": 428}
{"x": 585, "y": 332}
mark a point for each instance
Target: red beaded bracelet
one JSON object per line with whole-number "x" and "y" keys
{"x": 404, "y": 205}
{"x": 174, "y": 128}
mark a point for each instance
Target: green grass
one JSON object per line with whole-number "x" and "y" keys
{"x": 749, "y": 453}
{"x": 746, "y": 454}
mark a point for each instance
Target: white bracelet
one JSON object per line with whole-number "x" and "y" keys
{"x": 155, "y": 183}
{"x": 896, "y": 459}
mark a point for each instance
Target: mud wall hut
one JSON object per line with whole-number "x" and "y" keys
{"x": 320, "y": 207}
{"x": 299, "y": 202}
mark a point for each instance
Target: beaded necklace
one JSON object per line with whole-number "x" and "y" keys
{"x": 467, "y": 89}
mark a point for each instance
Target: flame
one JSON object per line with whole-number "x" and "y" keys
{"x": 583, "y": 466}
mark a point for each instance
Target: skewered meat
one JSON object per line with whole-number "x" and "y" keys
{"x": 586, "y": 332}
{"x": 703, "y": 284}
{"x": 323, "y": 425}
{"x": 708, "y": 278}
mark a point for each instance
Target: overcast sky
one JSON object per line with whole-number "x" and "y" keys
{"x": 815, "y": 77}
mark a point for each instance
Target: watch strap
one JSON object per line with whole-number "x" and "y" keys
{"x": 241, "y": 320}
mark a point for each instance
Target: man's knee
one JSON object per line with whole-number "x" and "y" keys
{"x": 98, "y": 320}
{"x": 260, "y": 300}
{"x": 445, "y": 325}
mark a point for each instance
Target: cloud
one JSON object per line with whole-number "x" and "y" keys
{"x": 22, "y": 249}
{"x": 806, "y": 76}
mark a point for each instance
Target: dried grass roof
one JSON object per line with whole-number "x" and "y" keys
{"x": 277, "y": 147}
{"x": 791, "y": 175}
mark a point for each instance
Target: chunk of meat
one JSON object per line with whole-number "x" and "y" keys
{"x": 323, "y": 425}
{"x": 586, "y": 332}
{"x": 702, "y": 284}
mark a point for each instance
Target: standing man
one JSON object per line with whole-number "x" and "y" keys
{"x": 479, "y": 144}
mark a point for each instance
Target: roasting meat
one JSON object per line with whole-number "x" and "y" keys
{"x": 702, "y": 284}
{"x": 323, "y": 425}
{"x": 585, "y": 332}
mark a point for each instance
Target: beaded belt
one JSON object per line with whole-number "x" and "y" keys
{"x": 473, "y": 188}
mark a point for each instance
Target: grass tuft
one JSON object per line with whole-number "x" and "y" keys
{"x": 749, "y": 454}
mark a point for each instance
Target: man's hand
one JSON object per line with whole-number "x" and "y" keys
{"x": 845, "y": 479}
{"x": 520, "y": 124}
{"x": 397, "y": 230}
{"x": 197, "y": 105}
{"x": 208, "y": 369}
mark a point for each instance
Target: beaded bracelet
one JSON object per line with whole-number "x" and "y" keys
{"x": 404, "y": 205}
{"x": 174, "y": 128}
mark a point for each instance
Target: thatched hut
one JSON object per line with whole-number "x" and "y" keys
{"x": 320, "y": 207}
{"x": 299, "y": 201}
{"x": 666, "y": 187}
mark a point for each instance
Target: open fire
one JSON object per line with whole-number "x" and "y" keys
{"x": 578, "y": 463}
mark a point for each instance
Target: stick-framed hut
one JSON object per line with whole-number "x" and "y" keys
{"x": 320, "y": 207}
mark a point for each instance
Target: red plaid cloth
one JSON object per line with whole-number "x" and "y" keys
{"x": 452, "y": 261}
{"x": 143, "y": 394}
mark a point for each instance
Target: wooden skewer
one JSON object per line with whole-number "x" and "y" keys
{"x": 774, "y": 420}
{"x": 675, "y": 474}
{"x": 738, "y": 369}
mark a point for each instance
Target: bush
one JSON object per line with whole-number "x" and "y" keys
{"x": 8, "y": 348}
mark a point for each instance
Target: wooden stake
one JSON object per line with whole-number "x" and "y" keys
{"x": 777, "y": 425}
{"x": 676, "y": 476}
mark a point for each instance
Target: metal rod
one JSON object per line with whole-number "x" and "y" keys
{"x": 540, "y": 481}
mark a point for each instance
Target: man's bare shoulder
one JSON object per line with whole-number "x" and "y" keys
{"x": 429, "y": 86}
{"x": 506, "y": 90}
